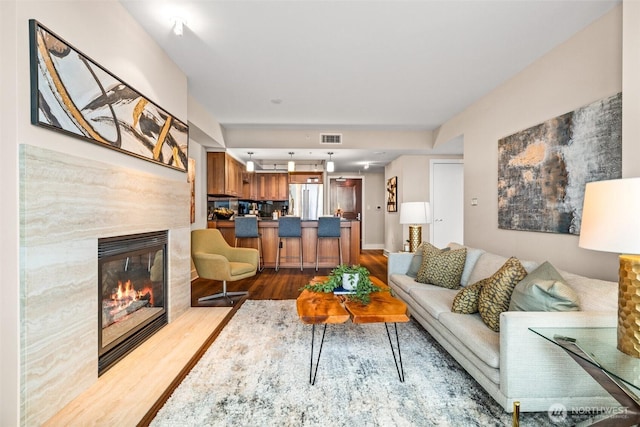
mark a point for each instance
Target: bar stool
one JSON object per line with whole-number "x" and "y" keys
{"x": 246, "y": 227}
{"x": 288, "y": 227}
{"x": 328, "y": 228}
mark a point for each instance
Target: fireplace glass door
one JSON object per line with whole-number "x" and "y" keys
{"x": 131, "y": 294}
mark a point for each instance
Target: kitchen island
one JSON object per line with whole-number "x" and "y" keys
{"x": 268, "y": 228}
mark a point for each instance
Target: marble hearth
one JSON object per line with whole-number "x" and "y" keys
{"x": 67, "y": 204}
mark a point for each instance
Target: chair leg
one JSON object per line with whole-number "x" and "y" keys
{"x": 223, "y": 294}
{"x": 278, "y": 254}
{"x": 317, "y": 249}
{"x": 340, "y": 249}
{"x": 301, "y": 254}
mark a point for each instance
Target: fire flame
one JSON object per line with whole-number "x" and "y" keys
{"x": 126, "y": 293}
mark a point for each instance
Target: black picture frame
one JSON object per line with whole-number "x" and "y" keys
{"x": 72, "y": 94}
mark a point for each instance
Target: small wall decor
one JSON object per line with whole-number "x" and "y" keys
{"x": 72, "y": 94}
{"x": 543, "y": 170}
{"x": 392, "y": 187}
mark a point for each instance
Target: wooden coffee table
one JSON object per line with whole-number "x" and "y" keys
{"x": 317, "y": 308}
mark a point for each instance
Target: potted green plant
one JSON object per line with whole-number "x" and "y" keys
{"x": 353, "y": 279}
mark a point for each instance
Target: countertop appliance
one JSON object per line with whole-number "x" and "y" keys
{"x": 306, "y": 201}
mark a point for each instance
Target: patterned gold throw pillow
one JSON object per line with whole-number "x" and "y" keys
{"x": 443, "y": 268}
{"x": 466, "y": 301}
{"x": 428, "y": 250}
{"x": 495, "y": 295}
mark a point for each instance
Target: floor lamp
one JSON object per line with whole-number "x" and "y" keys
{"x": 610, "y": 223}
{"x": 415, "y": 214}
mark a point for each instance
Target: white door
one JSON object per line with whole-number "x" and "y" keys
{"x": 447, "y": 202}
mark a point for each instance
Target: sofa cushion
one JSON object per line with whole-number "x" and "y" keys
{"x": 496, "y": 293}
{"x": 543, "y": 289}
{"x": 442, "y": 268}
{"x": 473, "y": 255}
{"x": 489, "y": 263}
{"x": 433, "y": 299}
{"x": 466, "y": 300}
{"x": 474, "y": 334}
{"x": 593, "y": 294}
{"x": 428, "y": 250}
{"x": 416, "y": 261}
{"x": 404, "y": 282}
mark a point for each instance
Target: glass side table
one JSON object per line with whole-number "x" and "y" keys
{"x": 594, "y": 349}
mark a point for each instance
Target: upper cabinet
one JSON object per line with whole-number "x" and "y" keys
{"x": 272, "y": 186}
{"x": 305, "y": 177}
{"x": 249, "y": 186}
{"x": 224, "y": 175}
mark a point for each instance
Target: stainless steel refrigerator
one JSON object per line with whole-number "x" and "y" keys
{"x": 306, "y": 201}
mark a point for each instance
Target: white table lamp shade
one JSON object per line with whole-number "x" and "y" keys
{"x": 611, "y": 216}
{"x": 415, "y": 213}
{"x": 610, "y": 224}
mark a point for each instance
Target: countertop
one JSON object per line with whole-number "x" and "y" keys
{"x": 275, "y": 220}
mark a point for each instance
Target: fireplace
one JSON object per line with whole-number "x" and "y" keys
{"x": 132, "y": 293}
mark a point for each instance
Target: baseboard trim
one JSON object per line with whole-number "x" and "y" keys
{"x": 373, "y": 246}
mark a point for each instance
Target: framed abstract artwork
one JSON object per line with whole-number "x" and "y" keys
{"x": 392, "y": 187}
{"x": 72, "y": 94}
{"x": 543, "y": 170}
{"x": 191, "y": 179}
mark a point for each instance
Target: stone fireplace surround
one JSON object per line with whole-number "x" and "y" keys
{"x": 67, "y": 203}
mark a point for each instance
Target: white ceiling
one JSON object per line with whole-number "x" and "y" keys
{"x": 344, "y": 65}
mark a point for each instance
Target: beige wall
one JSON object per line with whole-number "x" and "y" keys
{"x": 413, "y": 174}
{"x": 9, "y": 226}
{"x": 105, "y": 32}
{"x": 582, "y": 70}
{"x": 631, "y": 89}
{"x": 373, "y": 218}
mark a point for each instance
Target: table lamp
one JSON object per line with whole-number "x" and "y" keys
{"x": 611, "y": 223}
{"x": 414, "y": 214}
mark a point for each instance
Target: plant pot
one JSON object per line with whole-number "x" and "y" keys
{"x": 350, "y": 281}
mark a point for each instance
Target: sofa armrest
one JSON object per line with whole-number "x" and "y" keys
{"x": 532, "y": 366}
{"x": 398, "y": 262}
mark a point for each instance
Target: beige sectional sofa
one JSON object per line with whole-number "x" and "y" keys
{"x": 514, "y": 364}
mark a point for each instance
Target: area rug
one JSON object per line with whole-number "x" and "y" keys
{"x": 256, "y": 373}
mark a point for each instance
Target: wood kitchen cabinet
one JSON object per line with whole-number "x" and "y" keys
{"x": 224, "y": 175}
{"x": 283, "y": 186}
{"x": 272, "y": 186}
{"x": 305, "y": 177}
{"x": 249, "y": 186}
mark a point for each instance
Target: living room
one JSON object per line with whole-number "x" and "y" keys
{"x": 599, "y": 61}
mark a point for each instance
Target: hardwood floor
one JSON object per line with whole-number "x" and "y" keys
{"x": 284, "y": 284}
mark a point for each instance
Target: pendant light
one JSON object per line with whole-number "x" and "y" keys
{"x": 330, "y": 165}
{"x": 291, "y": 165}
{"x": 251, "y": 167}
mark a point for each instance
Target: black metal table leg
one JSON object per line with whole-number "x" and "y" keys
{"x": 312, "y": 374}
{"x": 398, "y": 360}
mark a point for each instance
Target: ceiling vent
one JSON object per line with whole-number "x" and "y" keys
{"x": 330, "y": 138}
